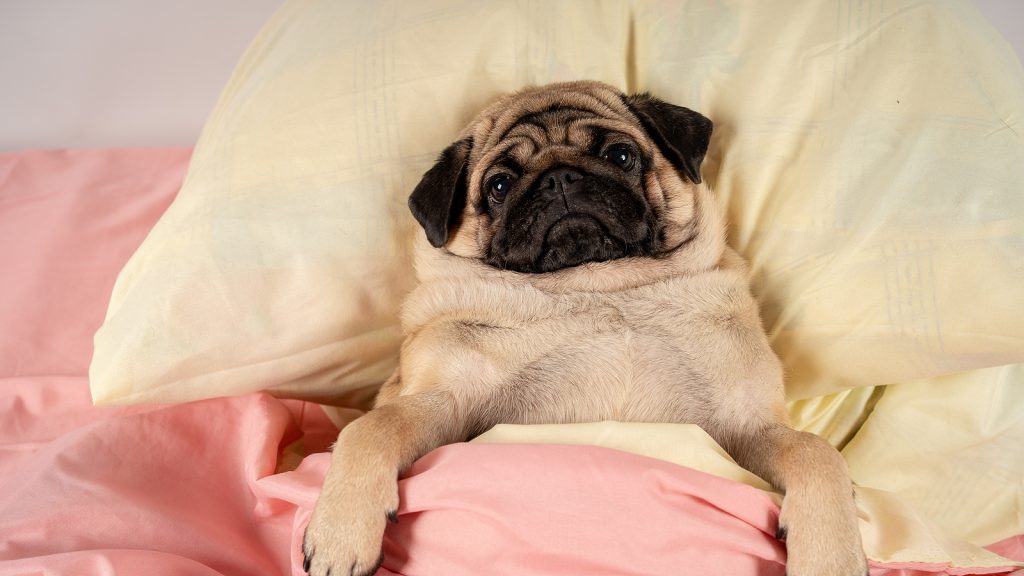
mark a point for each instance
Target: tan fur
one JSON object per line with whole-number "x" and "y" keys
{"x": 676, "y": 338}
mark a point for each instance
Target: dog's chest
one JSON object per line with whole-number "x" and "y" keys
{"x": 637, "y": 334}
{"x": 625, "y": 356}
{"x": 631, "y": 355}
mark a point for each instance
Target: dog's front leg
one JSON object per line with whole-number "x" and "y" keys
{"x": 819, "y": 518}
{"x": 360, "y": 492}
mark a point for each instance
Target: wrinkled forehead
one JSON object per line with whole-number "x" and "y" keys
{"x": 572, "y": 115}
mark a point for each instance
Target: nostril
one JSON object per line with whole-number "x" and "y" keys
{"x": 559, "y": 178}
{"x": 567, "y": 176}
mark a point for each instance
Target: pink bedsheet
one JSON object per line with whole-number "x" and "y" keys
{"x": 194, "y": 489}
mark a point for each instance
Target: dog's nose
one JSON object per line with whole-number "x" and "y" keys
{"x": 559, "y": 179}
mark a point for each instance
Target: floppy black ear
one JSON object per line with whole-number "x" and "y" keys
{"x": 439, "y": 198}
{"x": 681, "y": 134}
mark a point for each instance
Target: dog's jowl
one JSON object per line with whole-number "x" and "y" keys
{"x": 573, "y": 268}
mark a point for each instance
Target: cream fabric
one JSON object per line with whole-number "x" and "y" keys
{"x": 283, "y": 261}
{"x": 869, "y": 155}
{"x": 951, "y": 447}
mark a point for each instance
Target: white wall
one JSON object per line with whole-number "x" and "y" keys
{"x": 89, "y": 73}
{"x": 1008, "y": 17}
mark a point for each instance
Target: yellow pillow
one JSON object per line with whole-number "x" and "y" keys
{"x": 871, "y": 162}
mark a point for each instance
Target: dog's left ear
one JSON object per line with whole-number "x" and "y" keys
{"x": 439, "y": 198}
{"x": 682, "y": 135}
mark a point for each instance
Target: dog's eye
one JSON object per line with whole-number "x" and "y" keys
{"x": 498, "y": 187}
{"x": 621, "y": 155}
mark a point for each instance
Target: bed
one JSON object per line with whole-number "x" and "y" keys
{"x": 126, "y": 275}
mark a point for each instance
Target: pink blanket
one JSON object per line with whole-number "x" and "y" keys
{"x": 195, "y": 489}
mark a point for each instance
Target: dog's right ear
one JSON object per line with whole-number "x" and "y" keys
{"x": 439, "y": 198}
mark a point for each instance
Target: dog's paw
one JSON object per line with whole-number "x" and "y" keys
{"x": 821, "y": 544}
{"x": 345, "y": 534}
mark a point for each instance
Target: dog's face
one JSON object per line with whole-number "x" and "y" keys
{"x": 557, "y": 176}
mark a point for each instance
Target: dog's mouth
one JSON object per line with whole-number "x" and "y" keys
{"x": 576, "y": 239}
{"x": 592, "y": 220}
{"x": 573, "y": 239}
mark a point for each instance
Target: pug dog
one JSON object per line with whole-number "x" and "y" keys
{"x": 573, "y": 268}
